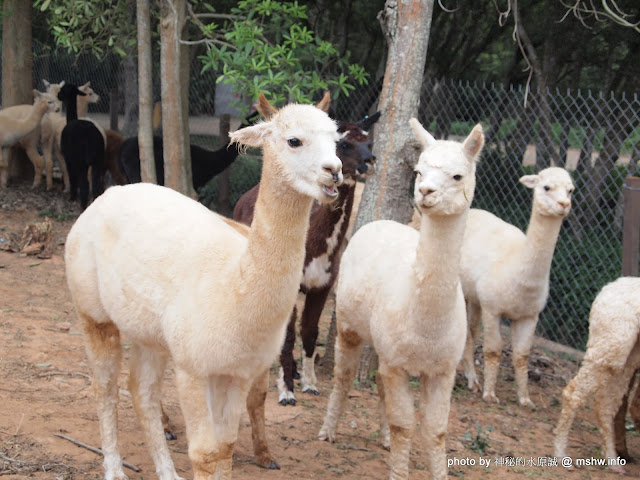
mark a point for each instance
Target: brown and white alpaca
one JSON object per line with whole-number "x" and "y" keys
{"x": 399, "y": 290}
{"x": 608, "y": 366}
{"x": 506, "y": 273}
{"x": 219, "y": 307}
{"x": 327, "y": 230}
{"x": 18, "y": 121}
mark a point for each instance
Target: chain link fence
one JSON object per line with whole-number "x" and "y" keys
{"x": 594, "y": 135}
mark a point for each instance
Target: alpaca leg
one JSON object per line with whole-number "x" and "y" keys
{"x": 348, "y": 348}
{"x": 608, "y": 400}
{"x": 285, "y": 376}
{"x": 145, "y": 381}
{"x": 620, "y": 422}
{"x": 574, "y": 397}
{"x": 38, "y": 166}
{"x": 255, "y": 407}
{"x": 522, "y": 332}
{"x": 212, "y": 411}
{"x": 63, "y": 168}
{"x": 401, "y": 418}
{"x": 167, "y": 426}
{"x": 492, "y": 348}
{"x": 313, "y": 306}
{"x": 97, "y": 180}
{"x": 634, "y": 407}
{"x": 4, "y": 168}
{"x": 384, "y": 422}
{"x": 468, "y": 361}
{"x": 83, "y": 184}
{"x": 102, "y": 341}
{"x": 435, "y": 403}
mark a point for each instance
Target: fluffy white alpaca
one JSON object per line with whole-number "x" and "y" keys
{"x": 399, "y": 291}
{"x": 506, "y": 273}
{"x": 18, "y": 121}
{"x": 612, "y": 357}
{"x": 176, "y": 279}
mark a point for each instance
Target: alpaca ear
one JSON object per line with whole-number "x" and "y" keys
{"x": 366, "y": 122}
{"x": 530, "y": 181}
{"x": 61, "y": 84}
{"x": 252, "y": 136}
{"x": 424, "y": 137}
{"x": 265, "y": 108}
{"x": 325, "y": 102}
{"x": 36, "y": 93}
{"x": 474, "y": 142}
{"x": 46, "y": 83}
{"x": 86, "y": 85}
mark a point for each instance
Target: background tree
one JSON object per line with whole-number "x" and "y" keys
{"x": 17, "y": 63}
{"x": 406, "y": 26}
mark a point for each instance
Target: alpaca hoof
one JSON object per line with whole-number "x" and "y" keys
{"x": 325, "y": 436}
{"x": 273, "y": 465}
{"x": 526, "y": 402}
{"x": 287, "y": 398}
{"x": 311, "y": 390}
{"x": 169, "y": 435}
{"x": 490, "y": 398}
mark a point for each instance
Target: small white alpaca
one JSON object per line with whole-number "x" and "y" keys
{"x": 506, "y": 273}
{"x": 20, "y": 120}
{"x": 399, "y": 290}
{"x": 176, "y": 279}
{"x": 612, "y": 357}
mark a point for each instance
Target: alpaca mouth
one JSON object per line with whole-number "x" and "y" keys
{"x": 331, "y": 191}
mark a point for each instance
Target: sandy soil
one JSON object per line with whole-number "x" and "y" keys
{"x": 45, "y": 389}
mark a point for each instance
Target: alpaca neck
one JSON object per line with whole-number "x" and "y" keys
{"x": 72, "y": 109}
{"x": 276, "y": 243}
{"x": 82, "y": 106}
{"x": 332, "y": 221}
{"x": 542, "y": 235}
{"x": 30, "y": 122}
{"x": 438, "y": 259}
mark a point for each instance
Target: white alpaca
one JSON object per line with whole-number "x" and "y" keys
{"x": 612, "y": 357}
{"x": 18, "y": 121}
{"x": 399, "y": 291}
{"x": 506, "y": 273}
{"x": 177, "y": 279}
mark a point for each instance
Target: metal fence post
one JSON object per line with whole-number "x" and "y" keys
{"x": 631, "y": 227}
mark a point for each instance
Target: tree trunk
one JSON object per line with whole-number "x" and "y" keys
{"x": 406, "y": 26}
{"x": 130, "y": 92}
{"x": 177, "y": 161}
{"x": 17, "y": 68}
{"x": 145, "y": 94}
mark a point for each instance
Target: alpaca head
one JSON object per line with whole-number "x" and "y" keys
{"x": 68, "y": 92}
{"x": 299, "y": 144}
{"x": 92, "y": 97}
{"x": 51, "y": 101}
{"x": 53, "y": 88}
{"x": 446, "y": 171}
{"x": 552, "y": 190}
{"x": 354, "y": 149}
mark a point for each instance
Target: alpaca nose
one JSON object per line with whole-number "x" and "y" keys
{"x": 334, "y": 169}
{"x": 426, "y": 190}
{"x": 564, "y": 203}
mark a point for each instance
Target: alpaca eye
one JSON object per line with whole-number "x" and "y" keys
{"x": 547, "y": 188}
{"x": 294, "y": 142}
{"x": 457, "y": 178}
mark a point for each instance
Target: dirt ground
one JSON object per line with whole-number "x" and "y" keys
{"x": 45, "y": 389}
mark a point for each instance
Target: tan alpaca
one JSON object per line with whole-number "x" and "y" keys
{"x": 399, "y": 290}
{"x": 611, "y": 359}
{"x": 48, "y": 133}
{"x": 506, "y": 273}
{"x": 177, "y": 280}
{"x": 20, "y": 120}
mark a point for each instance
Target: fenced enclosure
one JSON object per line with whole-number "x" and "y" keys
{"x": 595, "y": 135}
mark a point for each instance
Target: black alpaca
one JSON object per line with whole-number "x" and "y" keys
{"x": 82, "y": 145}
{"x": 205, "y": 164}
